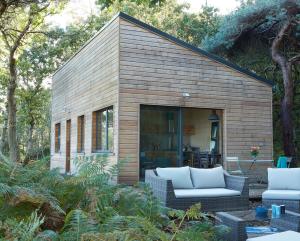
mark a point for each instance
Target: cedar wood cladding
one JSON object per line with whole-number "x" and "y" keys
{"x": 127, "y": 65}
{"x": 86, "y": 83}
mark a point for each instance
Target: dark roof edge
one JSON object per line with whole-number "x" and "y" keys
{"x": 195, "y": 49}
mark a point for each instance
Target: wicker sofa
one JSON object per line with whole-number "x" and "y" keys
{"x": 163, "y": 189}
{"x": 283, "y": 188}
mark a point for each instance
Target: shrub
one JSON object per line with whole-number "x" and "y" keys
{"x": 41, "y": 204}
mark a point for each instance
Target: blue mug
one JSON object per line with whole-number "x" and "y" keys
{"x": 261, "y": 212}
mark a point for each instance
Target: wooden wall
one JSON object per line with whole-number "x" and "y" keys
{"x": 86, "y": 83}
{"x": 126, "y": 66}
{"x": 156, "y": 71}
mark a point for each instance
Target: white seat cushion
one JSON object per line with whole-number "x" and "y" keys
{"x": 284, "y": 178}
{"x": 287, "y": 235}
{"x": 210, "y": 192}
{"x": 282, "y": 194}
{"x": 180, "y": 176}
{"x": 208, "y": 178}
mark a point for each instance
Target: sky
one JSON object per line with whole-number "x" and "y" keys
{"x": 78, "y": 10}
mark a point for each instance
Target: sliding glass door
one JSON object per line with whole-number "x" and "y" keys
{"x": 176, "y": 136}
{"x": 159, "y": 137}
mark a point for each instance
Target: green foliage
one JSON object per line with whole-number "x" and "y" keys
{"x": 25, "y": 230}
{"x": 34, "y": 201}
{"x": 259, "y": 16}
{"x": 170, "y": 17}
{"x": 149, "y": 3}
{"x": 77, "y": 223}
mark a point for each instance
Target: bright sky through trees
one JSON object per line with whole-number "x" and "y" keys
{"x": 78, "y": 10}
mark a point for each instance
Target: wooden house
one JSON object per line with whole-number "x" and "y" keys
{"x": 137, "y": 93}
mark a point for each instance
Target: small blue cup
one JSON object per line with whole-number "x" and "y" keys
{"x": 261, "y": 212}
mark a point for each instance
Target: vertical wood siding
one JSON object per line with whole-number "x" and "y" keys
{"x": 156, "y": 71}
{"x": 88, "y": 82}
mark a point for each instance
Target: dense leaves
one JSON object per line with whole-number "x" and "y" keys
{"x": 40, "y": 204}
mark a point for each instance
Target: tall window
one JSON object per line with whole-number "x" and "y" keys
{"x": 102, "y": 135}
{"x": 80, "y": 134}
{"x": 57, "y": 137}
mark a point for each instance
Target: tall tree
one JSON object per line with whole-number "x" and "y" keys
{"x": 271, "y": 25}
{"x": 18, "y": 19}
{"x": 34, "y": 69}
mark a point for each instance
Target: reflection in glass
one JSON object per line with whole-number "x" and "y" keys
{"x": 159, "y": 137}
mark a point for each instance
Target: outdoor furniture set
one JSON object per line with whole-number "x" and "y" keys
{"x": 228, "y": 196}
{"x": 214, "y": 188}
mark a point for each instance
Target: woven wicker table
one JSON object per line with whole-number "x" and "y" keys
{"x": 237, "y": 221}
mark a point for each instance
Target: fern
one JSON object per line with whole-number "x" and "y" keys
{"x": 5, "y": 190}
{"x": 134, "y": 228}
{"x": 47, "y": 235}
{"x": 24, "y": 230}
{"x": 97, "y": 208}
{"x": 77, "y": 222}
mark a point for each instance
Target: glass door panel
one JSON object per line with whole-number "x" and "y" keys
{"x": 159, "y": 137}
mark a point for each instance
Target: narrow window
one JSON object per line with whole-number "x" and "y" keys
{"x": 57, "y": 137}
{"x": 102, "y": 133}
{"x": 80, "y": 134}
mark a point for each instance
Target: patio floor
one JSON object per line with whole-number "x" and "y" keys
{"x": 256, "y": 190}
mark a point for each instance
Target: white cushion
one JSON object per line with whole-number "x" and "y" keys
{"x": 287, "y": 235}
{"x": 180, "y": 176}
{"x": 208, "y": 178}
{"x": 284, "y": 178}
{"x": 281, "y": 194}
{"x": 210, "y": 192}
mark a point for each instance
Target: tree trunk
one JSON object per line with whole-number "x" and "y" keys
{"x": 29, "y": 143}
{"x": 288, "y": 83}
{"x": 3, "y": 141}
{"x": 286, "y": 112}
{"x": 12, "y": 109}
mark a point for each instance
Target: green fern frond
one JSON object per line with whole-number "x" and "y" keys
{"x": 25, "y": 229}
{"x": 6, "y": 190}
{"x": 47, "y": 235}
{"x": 133, "y": 227}
{"x": 77, "y": 222}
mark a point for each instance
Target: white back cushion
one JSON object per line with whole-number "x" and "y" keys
{"x": 180, "y": 176}
{"x": 284, "y": 178}
{"x": 208, "y": 178}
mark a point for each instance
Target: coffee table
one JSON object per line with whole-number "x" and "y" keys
{"x": 237, "y": 221}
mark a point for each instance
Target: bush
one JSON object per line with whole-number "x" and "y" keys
{"x": 41, "y": 204}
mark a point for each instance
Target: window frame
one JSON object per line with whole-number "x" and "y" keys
{"x": 96, "y": 138}
{"x": 81, "y": 128}
{"x": 57, "y": 137}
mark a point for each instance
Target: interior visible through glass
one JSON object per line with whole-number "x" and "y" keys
{"x": 174, "y": 136}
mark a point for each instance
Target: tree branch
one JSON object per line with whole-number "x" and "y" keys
{"x": 22, "y": 34}
{"x": 275, "y": 48}
{"x": 294, "y": 59}
{"x": 5, "y": 39}
{"x": 29, "y": 32}
{"x": 3, "y": 7}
